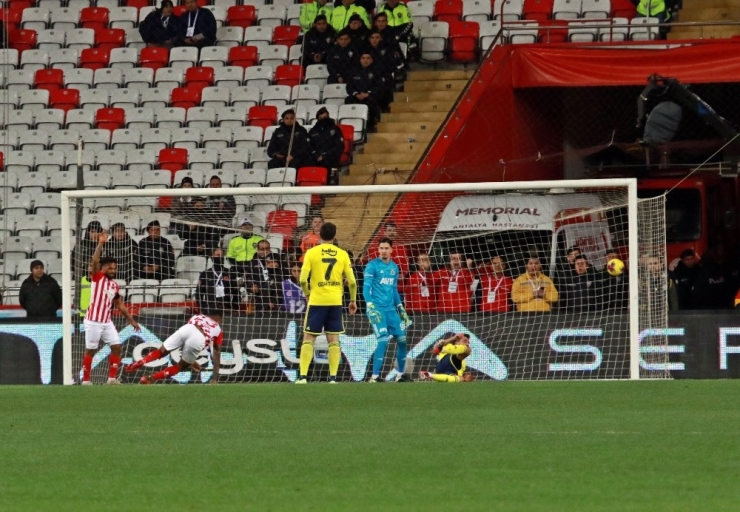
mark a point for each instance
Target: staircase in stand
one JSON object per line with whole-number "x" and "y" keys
{"x": 707, "y": 10}
{"x": 391, "y": 154}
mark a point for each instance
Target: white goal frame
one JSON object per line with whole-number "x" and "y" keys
{"x": 69, "y": 196}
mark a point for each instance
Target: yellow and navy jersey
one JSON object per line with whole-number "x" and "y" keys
{"x": 450, "y": 364}
{"x": 325, "y": 267}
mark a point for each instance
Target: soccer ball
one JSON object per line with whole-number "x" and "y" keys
{"x": 615, "y": 267}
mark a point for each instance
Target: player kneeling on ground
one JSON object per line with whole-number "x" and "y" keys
{"x": 99, "y": 327}
{"x": 200, "y": 332}
{"x": 451, "y": 352}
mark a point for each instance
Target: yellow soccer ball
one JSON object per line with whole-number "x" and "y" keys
{"x": 615, "y": 267}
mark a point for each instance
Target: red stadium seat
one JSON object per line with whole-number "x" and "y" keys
{"x": 199, "y": 77}
{"x": 95, "y": 18}
{"x": 283, "y": 222}
{"x": 448, "y": 10}
{"x": 463, "y": 46}
{"x": 244, "y": 56}
{"x": 289, "y": 74}
{"x": 138, "y": 3}
{"x": 286, "y": 34}
{"x": 2, "y": 160}
{"x": 22, "y": 40}
{"x": 110, "y": 38}
{"x": 49, "y": 79}
{"x": 179, "y": 10}
{"x": 348, "y": 132}
{"x": 173, "y": 159}
{"x": 12, "y": 16}
{"x": 623, "y": 9}
{"x": 312, "y": 176}
{"x": 64, "y": 99}
{"x": 554, "y": 31}
{"x": 241, "y": 16}
{"x": 94, "y": 58}
{"x": 538, "y": 10}
{"x": 110, "y": 118}
{"x": 154, "y": 57}
{"x": 185, "y": 97}
{"x": 262, "y": 115}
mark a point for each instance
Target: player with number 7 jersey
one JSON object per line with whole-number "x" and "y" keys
{"x": 325, "y": 268}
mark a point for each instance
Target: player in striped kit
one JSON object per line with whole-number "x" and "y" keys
{"x": 200, "y": 332}
{"x": 99, "y": 327}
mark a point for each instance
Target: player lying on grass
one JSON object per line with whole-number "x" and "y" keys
{"x": 200, "y": 332}
{"x": 451, "y": 352}
{"x": 99, "y": 327}
{"x": 384, "y": 308}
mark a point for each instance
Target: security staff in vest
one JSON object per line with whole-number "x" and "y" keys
{"x": 652, "y": 9}
{"x": 340, "y": 15}
{"x": 310, "y": 10}
{"x": 160, "y": 27}
{"x": 197, "y": 26}
{"x": 243, "y": 247}
{"x": 399, "y": 19}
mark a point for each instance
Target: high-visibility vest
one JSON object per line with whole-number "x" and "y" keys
{"x": 340, "y": 16}
{"x": 398, "y": 16}
{"x": 309, "y": 12}
{"x": 650, "y": 7}
{"x": 84, "y": 295}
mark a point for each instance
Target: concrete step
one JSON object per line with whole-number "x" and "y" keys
{"x": 356, "y": 217}
{"x": 406, "y": 117}
{"x": 391, "y": 137}
{"x": 435, "y": 85}
{"x": 422, "y": 106}
{"x": 434, "y": 96}
{"x": 408, "y": 128}
{"x": 439, "y": 76}
{"x": 389, "y": 178}
{"x": 393, "y": 147}
{"x": 369, "y": 169}
{"x": 707, "y": 4}
{"x": 382, "y": 159}
{"x": 711, "y": 14}
{"x": 679, "y": 33}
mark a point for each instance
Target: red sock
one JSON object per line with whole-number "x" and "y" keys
{"x": 86, "y": 367}
{"x": 114, "y": 361}
{"x": 170, "y": 371}
{"x": 151, "y": 356}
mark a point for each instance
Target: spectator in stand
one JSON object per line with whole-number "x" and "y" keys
{"x": 655, "y": 283}
{"x": 160, "y": 27}
{"x": 200, "y": 239}
{"x": 613, "y": 291}
{"x": 579, "y": 296}
{"x": 399, "y": 19}
{"x": 40, "y": 294}
{"x": 121, "y": 247}
{"x": 341, "y": 14}
{"x": 310, "y": 13}
{"x": 652, "y": 9}
{"x": 243, "y": 247}
{"x": 714, "y": 285}
{"x": 182, "y": 206}
{"x": 400, "y": 253}
{"x": 85, "y": 248}
{"x": 368, "y": 5}
{"x": 367, "y": 87}
{"x": 326, "y": 140}
{"x": 341, "y": 60}
{"x": 281, "y": 151}
{"x": 380, "y": 23}
{"x": 217, "y": 288}
{"x": 294, "y": 301}
{"x": 357, "y": 30}
{"x": 495, "y": 287}
{"x": 455, "y": 286}
{"x": 221, "y": 209}
{"x": 420, "y": 289}
{"x": 197, "y": 26}
{"x": 156, "y": 255}
{"x": 313, "y": 237}
{"x": 264, "y": 278}
{"x": 318, "y": 41}
{"x": 386, "y": 64}
{"x": 533, "y": 290}
{"x": 683, "y": 277}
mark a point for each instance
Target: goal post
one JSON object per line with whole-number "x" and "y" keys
{"x": 576, "y": 338}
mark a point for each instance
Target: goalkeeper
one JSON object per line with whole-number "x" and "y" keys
{"x": 384, "y": 308}
{"x": 451, "y": 352}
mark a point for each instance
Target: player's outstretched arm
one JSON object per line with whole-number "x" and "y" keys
{"x": 216, "y": 358}
{"x": 95, "y": 263}
{"x": 124, "y": 311}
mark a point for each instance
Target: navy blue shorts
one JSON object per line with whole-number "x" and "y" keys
{"x": 448, "y": 365}
{"x": 326, "y": 319}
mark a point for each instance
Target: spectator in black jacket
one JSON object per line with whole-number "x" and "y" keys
{"x": 280, "y": 150}
{"x": 156, "y": 255}
{"x": 40, "y": 294}
{"x": 160, "y": 27}
{"x": 84, "y": 249}
{"x": 380, "y": 23}
{"x": 264, "y": 278}
{"x": 683, "y": 277}
{"x": 357, "y": 30}
{"x": 366, "y": 87}
{"x": 579, "y": 293}
{"x": 197, "y": 26}
{"x": 121, "y": 247}
{"x": 318, "y": 41}
{"x": 217, "y": 286}
{"x": 220, "y": 209}
{"x": 327, "y": 143}
{"x": 341, "y": 59}
{"x": 715, "y": 283}
{"x": 386, "y": 63}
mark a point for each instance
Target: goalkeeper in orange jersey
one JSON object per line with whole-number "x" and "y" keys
{"x": 451, "y": 352}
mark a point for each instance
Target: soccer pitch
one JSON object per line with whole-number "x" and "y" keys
{"x": 670, "y": 445}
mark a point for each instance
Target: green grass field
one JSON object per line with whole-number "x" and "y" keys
{"x": 484, "y": 446}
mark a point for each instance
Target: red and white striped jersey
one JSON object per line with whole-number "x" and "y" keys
{"x": 103, "y": 292}
{"x": 210, "y": 329}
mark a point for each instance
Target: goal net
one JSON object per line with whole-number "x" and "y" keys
{"x": 522, "y": 268}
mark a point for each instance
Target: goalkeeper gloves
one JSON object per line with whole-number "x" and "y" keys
{"x": 373, "y": 314}
{"x": 402, "y": 313}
